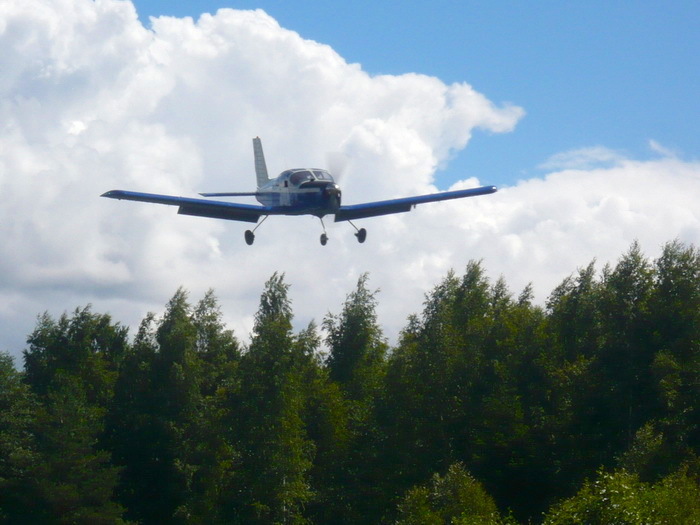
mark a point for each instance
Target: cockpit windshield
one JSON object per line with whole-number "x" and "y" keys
{"x": 300, "y": 176}
{"x": 322, "y": 175}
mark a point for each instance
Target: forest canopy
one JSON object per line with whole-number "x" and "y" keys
{"x": 489, "y": 408}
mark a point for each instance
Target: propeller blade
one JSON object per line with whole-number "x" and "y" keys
{"x": 337, "y": 163}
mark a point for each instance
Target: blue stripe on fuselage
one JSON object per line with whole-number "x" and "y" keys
{"x": 300, "y": 202}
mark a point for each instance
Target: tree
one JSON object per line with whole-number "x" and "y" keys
{"x": 620, "y": 497}
{"x": 159, "y": 419}
{"x": 625, "y": 356}
{"x": 357, "y": 347}
{"x": 18, "y": 453}
{"x": 455, "y": 498}
{"x": 355, "y": 365}
{"x": 675, "y": 322}
{"x": 272, "y": 485}
{"x": 75, "y": 478}
{"x": 87, "y": 345}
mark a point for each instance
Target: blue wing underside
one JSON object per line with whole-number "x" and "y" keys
{"x": 251, "y": 213}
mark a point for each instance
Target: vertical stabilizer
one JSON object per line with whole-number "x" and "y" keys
{"x": 260, "y": 166}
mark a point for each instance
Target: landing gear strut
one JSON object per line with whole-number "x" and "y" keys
{"x": 324, "y": 237}
{"x": 360, "y": 233}
{"x": 250, "y": 235}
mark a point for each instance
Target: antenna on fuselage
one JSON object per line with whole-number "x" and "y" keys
{"x": 260, "y": 166}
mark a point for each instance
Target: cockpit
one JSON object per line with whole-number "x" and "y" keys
{"x": 299, "y": 176}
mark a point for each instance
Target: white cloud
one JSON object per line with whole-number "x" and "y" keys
{"x": 90, "y": 101}
{"x": 584, "y": 158}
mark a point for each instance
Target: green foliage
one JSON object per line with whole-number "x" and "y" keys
{"x": 357, "y": 347}
{"x": 620, "y": 497}
{"x": 184, "y": 425}
{"x": 18, "y": 454}
{"x": 455, "y": 498}
{"x": 75, "y": 479}
{"x": 275, "y": 452}
{"x": 86, "y": 345}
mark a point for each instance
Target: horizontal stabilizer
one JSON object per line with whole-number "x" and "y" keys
{"x": 231, "y": 194}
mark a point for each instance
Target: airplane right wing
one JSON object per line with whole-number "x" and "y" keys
{"x": 374, "y": 209}
{"x": 199, "y": 207}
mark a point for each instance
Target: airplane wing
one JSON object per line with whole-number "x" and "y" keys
{"x": 373, "y": 209}
{"x": 199, "y": 207}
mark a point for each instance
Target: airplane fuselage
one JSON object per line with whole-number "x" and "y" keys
{"x": 302, "y": 191}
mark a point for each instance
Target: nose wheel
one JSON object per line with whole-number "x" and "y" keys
{"x": 324, "y": 237}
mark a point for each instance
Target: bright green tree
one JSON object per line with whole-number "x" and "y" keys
{"x": 620, "y": 497}
{"x": 455, "y": 498}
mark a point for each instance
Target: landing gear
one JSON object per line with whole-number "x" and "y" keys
{"x": 360, "y": 233}
{"x": 324, "y": 237}
{"x": 250, "y": 235}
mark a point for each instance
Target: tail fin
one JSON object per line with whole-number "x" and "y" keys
{"x": 260, "y": 166}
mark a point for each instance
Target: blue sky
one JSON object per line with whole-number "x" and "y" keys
{"x": 588, "y": 74}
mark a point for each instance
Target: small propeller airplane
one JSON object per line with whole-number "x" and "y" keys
{"x": 302, "y": 191}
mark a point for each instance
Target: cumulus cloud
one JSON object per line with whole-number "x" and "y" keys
{"x": 90, "y": 100}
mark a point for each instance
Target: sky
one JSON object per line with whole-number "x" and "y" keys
{"x": 585, "y": 115}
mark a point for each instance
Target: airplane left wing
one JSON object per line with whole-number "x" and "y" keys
{"x": 373, "y": 209}
{"x": 199, "y": 207}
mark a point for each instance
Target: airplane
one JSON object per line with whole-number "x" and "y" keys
{"x": 301, "y": 191}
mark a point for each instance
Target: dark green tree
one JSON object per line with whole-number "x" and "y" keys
{"x": 272, "y": 483}
{"x": 436, "y": 382}
{"x": 357, "y": 347}
{"x": 75, "y": 478}
{"x": 627, "y": 351}
{"x": 163, "y": 423}
{"x": 675, "y": 326}
{"x": 87, "y": 345}
{"x": 18, "y": 450}
{"x": 356, "y": 364}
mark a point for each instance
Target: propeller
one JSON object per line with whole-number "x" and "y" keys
{"x": 337, "y": 163}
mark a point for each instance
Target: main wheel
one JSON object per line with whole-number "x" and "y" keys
{"x": 249, "y": 237}
{"x": 324, "y": 239}
{"x": 361, "y": 235}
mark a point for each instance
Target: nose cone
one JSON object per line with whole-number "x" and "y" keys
{"x": 332, "y": 195}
